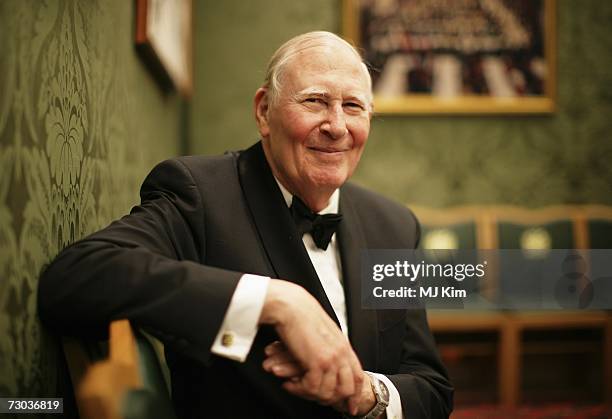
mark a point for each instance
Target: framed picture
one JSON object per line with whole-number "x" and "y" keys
{"x": 164, "y": 39}
{"x": 457, "y": 56}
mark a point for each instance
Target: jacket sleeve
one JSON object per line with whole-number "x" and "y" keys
{"x": 421, "y": 379}
{"x": 146, "y": 267}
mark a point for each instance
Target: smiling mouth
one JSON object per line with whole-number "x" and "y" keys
{"x": 326, "y": 150}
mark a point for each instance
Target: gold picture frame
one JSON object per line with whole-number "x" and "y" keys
{"x": 164, "y": 40}
{"x": 516, "y": 81}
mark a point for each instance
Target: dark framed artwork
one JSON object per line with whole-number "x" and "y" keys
{"x": 164, "y": 40}
{"x": 457, "y": 56}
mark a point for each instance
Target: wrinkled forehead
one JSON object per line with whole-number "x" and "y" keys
{"x": 331, "y": 59}
{"x": 334, "y": 55}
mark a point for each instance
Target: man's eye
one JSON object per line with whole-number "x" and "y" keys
{"x": 354, "y": 105}
{"x": 314, "y": 100}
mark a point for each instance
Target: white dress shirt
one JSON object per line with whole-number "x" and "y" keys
{"x": 239, "y": 326}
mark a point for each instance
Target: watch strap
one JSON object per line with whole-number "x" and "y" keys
{"x": 381, "y": 392}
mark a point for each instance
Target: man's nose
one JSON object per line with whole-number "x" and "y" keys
{"x": 335, "y": 123}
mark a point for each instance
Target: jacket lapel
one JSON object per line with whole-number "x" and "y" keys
{"x": 363, "y": 330}
{"x": 281, "y": 241}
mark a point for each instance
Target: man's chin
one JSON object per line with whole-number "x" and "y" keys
{"x": 328, "y": 181}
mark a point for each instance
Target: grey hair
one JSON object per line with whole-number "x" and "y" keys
{"x": 283, "y": 55}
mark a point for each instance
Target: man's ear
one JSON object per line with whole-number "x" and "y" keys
{"x": 261, "y": 104}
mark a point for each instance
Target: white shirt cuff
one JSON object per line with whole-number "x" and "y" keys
{"x": 239, "y": 327}
{"x": 394, "y": 410}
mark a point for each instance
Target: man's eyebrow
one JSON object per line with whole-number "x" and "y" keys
{"x": 312, "y": 91}
{"x": 315, "y": 91}
{"x": 357, "y": 97}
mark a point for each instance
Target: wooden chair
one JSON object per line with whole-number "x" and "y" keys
{"x": 130, "y": 383}
{"x": 456, "y": 228}
{"x": 509, "y": 227}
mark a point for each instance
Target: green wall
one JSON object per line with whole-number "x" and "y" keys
{"x": 81, "y": 123}
{"x": 435, "y": 161}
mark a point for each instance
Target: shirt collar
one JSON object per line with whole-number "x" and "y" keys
{"x": 331, "y": 208}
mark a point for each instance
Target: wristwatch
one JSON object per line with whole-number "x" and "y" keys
{"x": 381, "y": 392}
{"x": 382, "y": 397}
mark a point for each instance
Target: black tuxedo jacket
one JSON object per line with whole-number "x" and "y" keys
{"x": 172, "y": 265}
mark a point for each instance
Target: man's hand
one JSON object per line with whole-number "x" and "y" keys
{"x": 331, "y": 372}
{"x": 282, "y": 364}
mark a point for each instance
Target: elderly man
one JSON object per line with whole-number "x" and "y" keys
{"x": 243, "y": 267}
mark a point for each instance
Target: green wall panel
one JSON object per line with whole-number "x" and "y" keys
{"x": 81, "y": 123}
{"x": 233, "y": 42}
{"x": 435, "y": 161}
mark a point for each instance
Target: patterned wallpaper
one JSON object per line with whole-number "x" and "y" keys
{"x": 434, "y": 161}
{"x": 81, "y": 123}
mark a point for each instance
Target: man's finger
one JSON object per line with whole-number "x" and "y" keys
{"x": 288, "y": 370}
{"x": 354, "y": 400}
{"x": 346, "y": 383}
{"x": 358, "y": 380}
{"x": 327, "y": 390}
{"x": 278, "y": 359}
{"x": 274, "y": 348}
{"x": 297, "y": 389}
{"x": 312, "y": 380}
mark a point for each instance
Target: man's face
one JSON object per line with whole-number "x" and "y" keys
{"x": 315, "y": 132}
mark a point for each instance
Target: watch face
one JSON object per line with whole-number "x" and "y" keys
{"x": 382, "y": 397}
{"x": 384, "y": 391}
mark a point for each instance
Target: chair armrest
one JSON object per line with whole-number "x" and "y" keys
{"x": 128, "y": 384}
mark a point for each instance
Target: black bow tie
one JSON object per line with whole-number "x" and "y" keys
{"x": 320, "y": 226}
